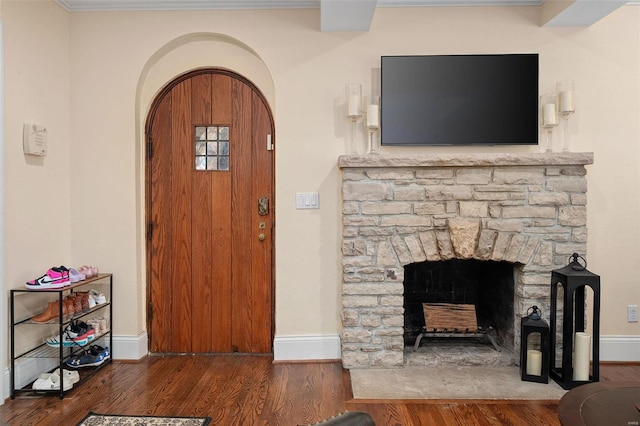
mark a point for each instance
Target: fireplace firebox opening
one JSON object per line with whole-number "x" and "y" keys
{"x": 487, "y": 285}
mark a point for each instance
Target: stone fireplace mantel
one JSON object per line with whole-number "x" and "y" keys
{"x": 466, "y": 160}
{"x": 528, "y": 209}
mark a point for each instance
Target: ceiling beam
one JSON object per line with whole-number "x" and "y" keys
{"x": 346, "y": 15}
{"x": 576, "y": 13}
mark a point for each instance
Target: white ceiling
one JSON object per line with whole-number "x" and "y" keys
{"x": 356, "y": 15}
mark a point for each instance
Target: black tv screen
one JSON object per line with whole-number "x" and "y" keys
{"x": 459, "y": 100}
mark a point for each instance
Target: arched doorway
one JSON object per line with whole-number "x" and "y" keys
{"x": 210, "y": 215}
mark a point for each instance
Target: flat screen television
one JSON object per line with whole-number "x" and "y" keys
{"x": 459, "y": 100}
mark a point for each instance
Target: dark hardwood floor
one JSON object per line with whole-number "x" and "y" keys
{"x": 252, "y": 390}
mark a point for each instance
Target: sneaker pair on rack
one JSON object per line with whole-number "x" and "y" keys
{"x": 77, "y": 333}
{"x": 51, "y": 381}
{"x": 55, "y": 277}
{"x": 95, "y": 356}
{"x": 98, "y": 298}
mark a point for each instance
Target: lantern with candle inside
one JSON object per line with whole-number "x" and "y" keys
{"x": 549, "y": 116}
{"x": 354, "y": 112}
{"x": 534, "y": 347}
{"x": 578, "y": 354}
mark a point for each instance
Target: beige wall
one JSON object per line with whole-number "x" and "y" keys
{"x": 36, "y": 189}
{"x": 114, "y": 59}
{"x": 36, "y": 91}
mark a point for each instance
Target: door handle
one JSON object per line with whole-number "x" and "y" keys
{"x": 263, "y": 206}
{"x": 261, "y": 237}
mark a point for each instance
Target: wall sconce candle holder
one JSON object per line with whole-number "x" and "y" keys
{"x": 373, "y": 120}
{"x": 566, "y": 107}
{"x": 354, "y": 112}
{"x": 549, "y": 116}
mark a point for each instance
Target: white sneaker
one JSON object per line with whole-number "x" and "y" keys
{"x": 51, "y": 381}
{"x": 72, "y": 376}
{"x": 99, "y": 298}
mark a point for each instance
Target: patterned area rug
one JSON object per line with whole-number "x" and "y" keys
{"x": 93, "y": 419}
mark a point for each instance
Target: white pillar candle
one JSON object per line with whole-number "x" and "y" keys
{"x": 353, "y": 109}
{"x": 566, "y": 101}
{"x": 582, "y": 354}
{"x": 373, "y": 116}
{"x": 534, "y": 362}
{"x": 549, "y": 116}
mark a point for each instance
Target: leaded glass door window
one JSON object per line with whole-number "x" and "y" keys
{"x": 212, "y": 147}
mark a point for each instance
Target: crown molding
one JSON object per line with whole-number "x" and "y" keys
{"x": 136, "y": 5}
{"x": 139, "y": 5}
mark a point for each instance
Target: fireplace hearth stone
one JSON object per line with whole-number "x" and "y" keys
{"x": 450, "y": 383}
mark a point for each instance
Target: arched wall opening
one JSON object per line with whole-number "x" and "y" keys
{"x": 177, "y": 57}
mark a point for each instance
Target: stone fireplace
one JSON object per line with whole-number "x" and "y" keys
{"x": 527, "y": 209}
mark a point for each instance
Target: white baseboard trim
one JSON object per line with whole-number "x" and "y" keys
{"x": 620, "y": 348}
{"x": 130, "y": 347}
{"x": 299, "y": 348}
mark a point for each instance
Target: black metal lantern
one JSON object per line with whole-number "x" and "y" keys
{"x": 580, "y": 356}
{"x": 534, "y": 363}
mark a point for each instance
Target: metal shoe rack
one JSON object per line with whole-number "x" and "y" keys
{"x": 29, "y": 352}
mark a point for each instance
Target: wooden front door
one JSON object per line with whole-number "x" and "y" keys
{"x": 210, "y": 211}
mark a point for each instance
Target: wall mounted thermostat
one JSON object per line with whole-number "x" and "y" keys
{"x": 34, "y": 139}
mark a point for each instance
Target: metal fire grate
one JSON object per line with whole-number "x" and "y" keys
{"x": 452, "y": 320}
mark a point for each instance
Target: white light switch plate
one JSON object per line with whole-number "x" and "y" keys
{"x": 307, "y": 200}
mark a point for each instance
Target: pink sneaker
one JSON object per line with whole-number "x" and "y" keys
{"x": 54, "y": 278}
